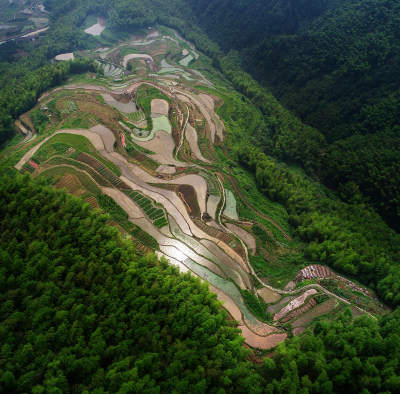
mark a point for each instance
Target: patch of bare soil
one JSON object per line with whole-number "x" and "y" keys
{"x": 261, "y": 328}
{"x": 299, "y": 330}
{"x": 163, "y": 146}
{"x": 124, "y": 202}
{"x": 166, "y": 169}
{"x": 228, "y": 303}
{"x": 106, "y": 135}
{"x": 268, "y": 295}
{"x": 261, "y": 342}
{"x": 321, "y": 309}
{"x": 159, "y": 106}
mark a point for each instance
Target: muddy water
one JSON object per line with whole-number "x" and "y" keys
{"x": 227, "y": 260}
{"x": 239, "y": 277}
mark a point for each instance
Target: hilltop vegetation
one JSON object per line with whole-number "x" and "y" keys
{"x": 335, "y": 65}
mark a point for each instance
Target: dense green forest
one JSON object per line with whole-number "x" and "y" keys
{"x": 81, "y": 311}
{"x": 349, "y": 238}
{"x": 336, "y": 65}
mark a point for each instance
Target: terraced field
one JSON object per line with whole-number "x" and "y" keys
{"x": 187, "y": 207}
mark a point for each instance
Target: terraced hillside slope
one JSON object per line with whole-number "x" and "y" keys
{"x": 146, "y": 141}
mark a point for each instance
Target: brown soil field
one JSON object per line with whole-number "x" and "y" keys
{"x": 163, "y": 146}
{"x": 261, "y": 342}
{"x": 321, "y": 309}
{"x": 261, "y": 328}
{"x": 188, "y": 195}
{"x": 166, "y": 169}
{"x": 268, "y": 295}
{"x": 228, "y": 303}
{"x": 93, "y": 202}
{"x": 159, "y": 106}
{"x": 212, "y": 204}
{"x": 135, "y": 56}
{"x": 299, "y": 330}
{"x": 106, "y": 135}
{"x": 191, "y": 137}
{"x": 126, "y": 203}
{"x": 72, "y": 184}
{"x": 356, "y": 312}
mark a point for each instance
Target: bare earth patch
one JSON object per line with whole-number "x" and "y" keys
{"x": 229, "y": 304}
{"x": 299, "y": 330}
{"x": 98, "y": 28}
{"x": 135, "y": 56}
{"x": 261, "y": 328}
{"x": 275, "y": 308}
{"x": 159, "y": 106}
{"x": 166, "y": 169}
{"x": 212, "y": 204}
{"x": 261, "y": 342}
{"x": 65, "y": 56}
{"x": 124, "y": 202}
{"x": 207, "y": 100}
{"x": 268, "y": 295}
{"x": 95, "y": 139}
{"x": 106, "y": 135}
{"x": 163, "y": 146}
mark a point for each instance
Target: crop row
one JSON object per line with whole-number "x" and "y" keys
{"x": 84, "y": 179}
{"x": 156, "y": 215}
{"x": 211, "y": 184}
{"x": 59, "y": 160}
{"x": 102, "y": 170}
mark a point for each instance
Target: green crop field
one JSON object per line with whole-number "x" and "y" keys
{"x": 82, "y": 144}
{"x": 156, "y": 215}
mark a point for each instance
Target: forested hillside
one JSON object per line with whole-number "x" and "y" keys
{"x": 81, "y": 311}
{"x": 336, "y": 65}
